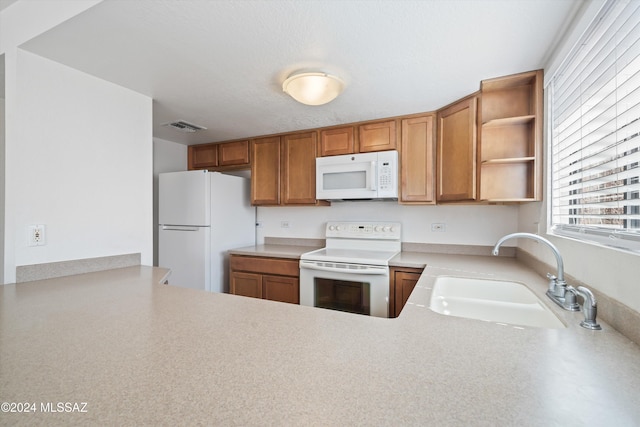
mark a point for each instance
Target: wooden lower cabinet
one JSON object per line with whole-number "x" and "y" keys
{"x": 281, "y": 288}
{"x": 402, "y": 282}
{"x": 275, "y": 279}
{"x": 246, "y": 284}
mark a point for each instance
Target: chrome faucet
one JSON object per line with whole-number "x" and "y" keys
{"x": 557, "y": 285}
{"x": 562, "y": 294}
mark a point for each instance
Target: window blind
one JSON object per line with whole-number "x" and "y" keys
{"x": 595, "y": 132}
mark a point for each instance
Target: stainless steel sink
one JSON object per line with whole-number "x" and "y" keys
{"x": 491, "y": 300}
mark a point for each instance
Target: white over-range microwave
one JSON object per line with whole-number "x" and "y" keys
{"x": 357, "y": 176}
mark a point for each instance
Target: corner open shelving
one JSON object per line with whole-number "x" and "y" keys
{"x": 510, "y": 159}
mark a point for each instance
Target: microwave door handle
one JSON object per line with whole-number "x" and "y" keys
{"x": 374, "y": 176}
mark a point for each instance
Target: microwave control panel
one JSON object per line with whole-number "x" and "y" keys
{"x": 387, "y": 173}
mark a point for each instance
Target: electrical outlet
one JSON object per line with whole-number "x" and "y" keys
{"x": 438, "y": 227}
{"x": 284, "y": 224}
{"x": 36, "y": 235}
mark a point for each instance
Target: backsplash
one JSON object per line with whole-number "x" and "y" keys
{"x": 462, "y": 224}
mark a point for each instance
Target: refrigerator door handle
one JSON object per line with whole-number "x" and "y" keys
{"x": 179, "y": 228}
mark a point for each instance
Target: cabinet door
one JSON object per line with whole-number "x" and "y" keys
{"x": 404, "y": 284}
{"x": 299, "y": 169}
{"x": 246, "y": 284}
{"x": 281, "y": 288}
{"x": 457, "y": 143}
{"x": 265, "y": 171}
{"x": 417, "y": 161}
{"x": 233, "y": 153}
{"x": 203, "y": 156}
{"x": 377, "y": 136}
{"x": 334, "y": 142}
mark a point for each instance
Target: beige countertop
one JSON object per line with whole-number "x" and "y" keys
{"x": 278, "y": 251}
{"x": 138, "y": 352}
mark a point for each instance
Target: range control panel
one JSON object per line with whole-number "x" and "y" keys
{"x": 363, "y": 230}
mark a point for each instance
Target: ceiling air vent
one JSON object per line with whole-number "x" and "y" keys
{"x": 183, "y": 126}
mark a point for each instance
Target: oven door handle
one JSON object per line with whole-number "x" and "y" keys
{"x": 367, "y": 270}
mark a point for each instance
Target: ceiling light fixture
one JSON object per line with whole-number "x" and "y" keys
{"x": 313, "y": 88}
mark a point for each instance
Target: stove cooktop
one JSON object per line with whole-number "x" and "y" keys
{"x": 364, "y": 242}
{"x": 350, "y": 256}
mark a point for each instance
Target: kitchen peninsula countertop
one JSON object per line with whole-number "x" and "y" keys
{"x": 138, "y": 352}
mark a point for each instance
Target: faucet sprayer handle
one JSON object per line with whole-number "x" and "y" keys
{"x": 590, "y": 308}
{"x": 553, "y": 280}
{"x": 589, "y": 298}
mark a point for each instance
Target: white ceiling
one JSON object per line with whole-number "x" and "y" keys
{"x": 220, "y": 64}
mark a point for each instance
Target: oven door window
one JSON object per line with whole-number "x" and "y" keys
{"x": 342, "y": 295}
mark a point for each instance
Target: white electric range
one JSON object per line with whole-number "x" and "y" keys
{"x": 352, "y": 272}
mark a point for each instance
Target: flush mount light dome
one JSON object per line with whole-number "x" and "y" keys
{"x": 313, "y": 88}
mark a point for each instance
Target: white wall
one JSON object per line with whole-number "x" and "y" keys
{"x": 167, "y": 157}
{"x": 79, "y": 160}
{"x": 26, "y": 19}
{"x": 2, "y": 168}
{"x": 464, "y": 224}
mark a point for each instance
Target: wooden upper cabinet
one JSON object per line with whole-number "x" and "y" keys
{"x": 417, "y": 160}
{"x": 299, "y": 168}
{"x": 337, "y": 141}
{"x": 265, "y": 171}
{"x": 204, "y": 156}
{"x": 511, "y": 138}
{"x": 226, "y": 155}
{"x": 456, "y": 151}
{"x": 233, "y": 153}
{"x": 283, "y": 170}
{"x": 378, "y": 136}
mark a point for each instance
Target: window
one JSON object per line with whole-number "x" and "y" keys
{"x": 595, "y": 132}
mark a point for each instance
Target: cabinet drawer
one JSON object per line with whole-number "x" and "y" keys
{"x": 279, "y": 266}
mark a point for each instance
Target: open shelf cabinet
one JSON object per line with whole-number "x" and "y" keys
{"x": 510, "y": 159}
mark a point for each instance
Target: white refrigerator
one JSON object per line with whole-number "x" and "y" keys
{"x": 201, "y": 216}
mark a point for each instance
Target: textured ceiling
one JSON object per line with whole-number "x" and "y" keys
{"x": 220, "y": 64}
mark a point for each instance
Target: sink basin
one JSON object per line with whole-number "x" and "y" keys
{"x": 491, "y": 300}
